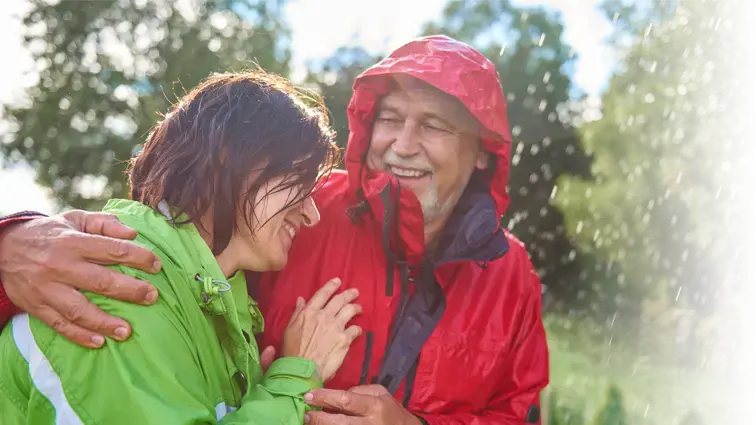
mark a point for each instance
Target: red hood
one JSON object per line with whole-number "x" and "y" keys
{"x": 454, "y": 68}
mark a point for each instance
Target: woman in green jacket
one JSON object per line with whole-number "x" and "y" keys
{"x": 222, "y": 185}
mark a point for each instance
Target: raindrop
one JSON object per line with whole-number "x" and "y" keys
{"x": 531, "y": 89}
{"x": 516, "y": 130}
{"x": 579, "y": 227}
{"x": 546, "y": 77}
{"x": 649, "y": 98}
{"x": 541, "y": 40}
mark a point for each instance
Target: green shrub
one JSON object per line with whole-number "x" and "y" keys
{"x": 612, "y": 413}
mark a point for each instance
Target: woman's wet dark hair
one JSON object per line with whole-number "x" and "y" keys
{"x": 201, "y": 155}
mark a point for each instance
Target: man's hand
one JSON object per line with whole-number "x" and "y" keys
{"x": 45, "y": 260}
{"x": 363, "y": 405}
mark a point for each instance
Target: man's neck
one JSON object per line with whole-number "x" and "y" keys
{"x": 433, "y": 231}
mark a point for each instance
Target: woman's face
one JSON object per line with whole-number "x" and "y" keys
{"x": 267, "y": 247}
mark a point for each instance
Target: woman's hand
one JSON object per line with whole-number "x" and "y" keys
{"x": 317, "y": 330}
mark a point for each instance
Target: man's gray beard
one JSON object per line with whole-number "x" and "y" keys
{"x": 432, "y": 209}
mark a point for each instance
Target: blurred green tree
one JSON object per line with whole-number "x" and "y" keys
{"x": 333, "y": 79}
{"x": 613, "y": 412}
{"x": 655, "y": 211}
{"x": 106, "y": 69}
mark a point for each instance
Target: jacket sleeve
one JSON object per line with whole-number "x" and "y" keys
{"x": 517, "y": 401}
{"x": 7, "y": 309}
{"x": 155, "y": 378}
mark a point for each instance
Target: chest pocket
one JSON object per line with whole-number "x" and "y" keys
{"x": 466, "y": 368}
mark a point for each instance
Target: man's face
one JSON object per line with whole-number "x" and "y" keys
{"x": 429, "y": 141}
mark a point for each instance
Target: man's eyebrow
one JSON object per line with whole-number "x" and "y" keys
{"x": 445, "y": 121}
{"x": 387, "y": 108}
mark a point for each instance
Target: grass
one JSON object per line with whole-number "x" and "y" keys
{"x": 583, "y": 365}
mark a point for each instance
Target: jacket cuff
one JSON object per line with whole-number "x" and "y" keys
{"x": 292, "y": 376}
{"x": 7, "y": 309}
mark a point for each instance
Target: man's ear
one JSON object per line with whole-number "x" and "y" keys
{"x": 481, "y": 161}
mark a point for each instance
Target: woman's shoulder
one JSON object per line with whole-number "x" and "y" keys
{"x": 175, "y": 246}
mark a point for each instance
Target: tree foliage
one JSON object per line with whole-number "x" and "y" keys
{"x": 333, "y": 79}
{"x": 674, "y": 192}
{"x": 108, "y": 68}
{"x": 613, "y": 411}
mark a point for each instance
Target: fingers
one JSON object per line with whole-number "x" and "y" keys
{"x": 352, "y": 333}
{"x": 105, "y": 224}
{"x": 105, "y": 250}
{"x": 338, "y": 302}
{"x": 297, "y": 309}
{"x": 347, "y": 313}
{"x": 77, "y": 310}
{"x": 69, "y": 330}
{"x": 113, "y": 284}
{"x": 340, "y": 401}
{"x": 267, "y": 357}
{"x": 323, "y": 418}
{"x": 321, "y": 297}
{"x": 371, "y": 390}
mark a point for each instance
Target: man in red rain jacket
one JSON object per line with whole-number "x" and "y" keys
{"x": 451, "y": 302}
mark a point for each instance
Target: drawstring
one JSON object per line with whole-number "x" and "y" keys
{"x": 211, "y": 288}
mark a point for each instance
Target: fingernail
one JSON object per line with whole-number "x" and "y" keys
{"x": 98, "y": 340}
{"x": 156, "y": 266}
{"x": 152, "y": 296}
{"x": 308, "y": 397}
{"x": 121, "y": 333}
{"x": 307, "y": 417}
{"x": 337, "y": 281}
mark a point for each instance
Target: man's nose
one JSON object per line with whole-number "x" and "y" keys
{"x": 310, "y": 213}
{"x": 407, "y": 142}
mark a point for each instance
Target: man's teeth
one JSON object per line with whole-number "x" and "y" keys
{"x": 404, "y": 172}
{"x": 290, "y": 229}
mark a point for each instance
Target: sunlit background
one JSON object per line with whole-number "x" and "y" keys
{"x": 632, "y": 157}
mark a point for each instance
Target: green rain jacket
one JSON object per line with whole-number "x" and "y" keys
{"x": 192, "y": 358}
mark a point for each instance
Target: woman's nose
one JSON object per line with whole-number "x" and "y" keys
{"x": 310, "y": 213}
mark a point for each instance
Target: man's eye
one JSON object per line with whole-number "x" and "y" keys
{"x": 434, "y": 128}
